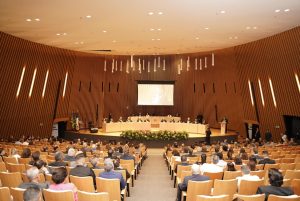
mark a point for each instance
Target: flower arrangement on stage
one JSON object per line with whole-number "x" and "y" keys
{"x": 148, "y": 135}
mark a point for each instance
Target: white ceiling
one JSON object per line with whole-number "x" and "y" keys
{"x": 127, "y": 23}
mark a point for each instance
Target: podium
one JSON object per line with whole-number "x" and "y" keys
{"x": 223, "y": 127}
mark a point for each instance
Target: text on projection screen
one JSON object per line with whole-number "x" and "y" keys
{"x": 155, "y": 94}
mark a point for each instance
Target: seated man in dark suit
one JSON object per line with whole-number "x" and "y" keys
{"x": 109, "y": 173}
{"x": 255, "y": 154}
{"x": 81, "y": 170}
{"x": 59, "y": 160}
{"x": 127, "y": 156}
{"x": 184, "y": 162}
{"x": 266, "y": 159}
{"x": 194, "y": 177}
{"x": 276, "y": 181}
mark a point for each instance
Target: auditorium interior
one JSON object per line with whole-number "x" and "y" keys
{"x": 166, "y": 91}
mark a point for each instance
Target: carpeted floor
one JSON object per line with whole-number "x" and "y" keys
{"x": 154, "y": 182}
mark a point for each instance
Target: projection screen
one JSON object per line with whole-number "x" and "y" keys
{"x": 156, "y": 94}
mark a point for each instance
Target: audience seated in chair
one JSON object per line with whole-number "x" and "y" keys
{"x": 59, "y": 160}
{"x": 81, "y": 170}
{"x": 276, "y": 181}
{"x": 266, "y": 159}
{"x": 212, "y": 167}
{"x": 109, "y": 173}
{"x": 246, "y": 175}
{"x": 70, "y": 157}
{"x": 32, "y": 194}
{"x": 184, "y": 162}
{"x": 194, "y": 177}
{"x": 34, "y": 179}
{"x": 60, "y": 179}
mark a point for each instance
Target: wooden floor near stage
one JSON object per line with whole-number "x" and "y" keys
{"x": 193, "y": 137}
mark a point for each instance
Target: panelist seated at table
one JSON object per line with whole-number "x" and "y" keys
{"x": 173, "y": 120}
{"x": 147, "y": 120}
{"x": 163, "y": 120}
{"x": 120, "y": 119}
{"x": 188, "y": 120}
{"x": 139, "y": 119}
{"x": 128, "y": 119}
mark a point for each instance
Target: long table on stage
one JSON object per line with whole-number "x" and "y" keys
{"x": 180, "y": 127}
{"x": 155, "y": 119}
{"x": 188, "y": 127}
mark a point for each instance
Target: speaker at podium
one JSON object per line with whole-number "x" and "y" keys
{"x": 223, "y": 124}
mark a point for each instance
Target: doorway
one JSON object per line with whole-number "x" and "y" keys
{"x": 292, "y": 126}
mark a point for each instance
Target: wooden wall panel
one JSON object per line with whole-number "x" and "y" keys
{"x": 277, "y": 58}
{"x": 34, "y": 115}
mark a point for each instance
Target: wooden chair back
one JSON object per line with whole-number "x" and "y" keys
{"x": 11, "y": 167}
{"x": 213, "y": 198}
{"x": 287, "y": 182}
{"x": 181, "y": 168}
{"x": 225, "y": 187}
{"x": 258, "y": 197}
{"x": 296, "y": 186}
{"x": 287, "y": 166}
{"x": 231, "y": 175}
{"x": 131, "y": 166}
{"x": 259, "y": 166}
{"x": 288, "y": 160}
{"x": 2, "y": 167}
{"x": 112, "y": 186}
{"x": 4, "y": 194}
{"x": 198, "y": 188}
{"x": 17, "y": 194}
{"x": 83, "y": 183}
{"x": 98, "y": 171}
{"x": 86, "y": 196}
{"x": 297, "y": 166}
{"x": 10, "y": 160}
{"x": 193, "y": 159}
{"x": 260, "y": 173}
{"x": 51, "y": 195}
{"x": 24, "y": 160}
{"x": 268, "y": 166}
{"x": 123, "y": 172}
{"x": 184, "y": 174}
{"x": 249, "y": 187}
{"x": 283, "y": 198}
{"x": 292, "y": 174}
{"x": 10, "y": 179}
{"x": 214, "y": 175}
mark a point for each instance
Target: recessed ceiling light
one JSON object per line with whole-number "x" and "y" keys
{"x": 248, "y": 27}
{"x": 152, "y": 39}
{"x": 235, "y": 37}
{"x": 150, "y": 13}
{"x": 88, "y": 16}
{"x": 277, "y": 10}
{"x": 151, "y": 29}
{"x": 206, "y": 28}
{"x": 254, "y": 27}
{"x": 197, "y": 38}
{"x": 104, "y": 31}
{"x": 160, "y": 13}
{"x": 58, "y": 34}
{"x": 287, "y": 10}
{"x": 114, "y": 41}
{"x": 159, "y": 29}
{"x": 64, "y": 34}
{"x": 222, "y": 11}
{"x": 37, "y": 19}
{"x": 230, "y": 38}
{"x": 81, "y": 42}
{"x": 28, "y": 20}
{"x": 158, "y": 39}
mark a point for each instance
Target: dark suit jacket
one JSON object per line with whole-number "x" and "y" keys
{"x": 81, "y": 171}
{"x": 195, "y": 177}
{"x": 266, "y": 161}
{"x": 281, "y": 191}
{"x": 58, "y": 164}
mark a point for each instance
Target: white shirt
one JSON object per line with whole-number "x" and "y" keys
{"x": 222, "y": 163}
{"x": 207, "y": 167}
{"x": 247, "y": 177}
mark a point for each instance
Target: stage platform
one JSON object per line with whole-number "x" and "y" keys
{"x": 193, "y": 137}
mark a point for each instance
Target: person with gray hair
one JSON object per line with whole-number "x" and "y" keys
{"x": 71, "y": 155}
{"x": 246, "y": 175}
{"x": 194, "y": 177}
{"x": 34, "y": 179}
{"x": 59, "y": 160}
{"x": 32, "y": 194}
{"x": 212, "y": 167}
{"x": 109, "y": 173}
